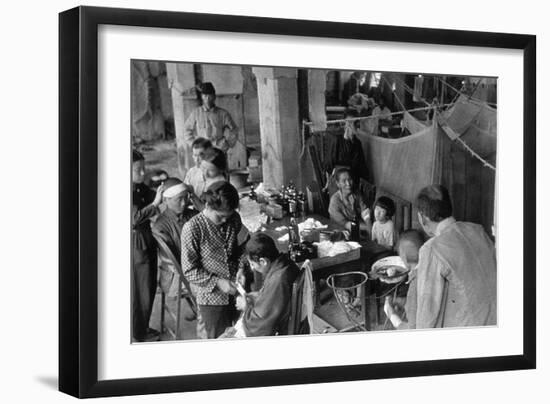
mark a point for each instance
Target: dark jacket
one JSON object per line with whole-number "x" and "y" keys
{"x": 269, "y": 313}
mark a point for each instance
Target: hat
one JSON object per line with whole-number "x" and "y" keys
{"x": 206, "y": 88}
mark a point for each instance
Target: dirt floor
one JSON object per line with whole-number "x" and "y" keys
{"x": 160, "y": 155}
{"x": 329, "y": 312}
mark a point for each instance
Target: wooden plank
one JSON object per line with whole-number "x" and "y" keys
{"x": 320, "y": 326}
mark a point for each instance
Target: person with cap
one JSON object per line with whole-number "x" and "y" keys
{"x": 168, "y": 227}
{"x": 145, "y": 204}
{"x": 208, "y": 120}
{"x": 210, "y": 256}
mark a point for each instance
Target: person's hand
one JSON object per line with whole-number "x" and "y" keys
{"x": 226, "y": 286}
{"x": 349, "y": 131}
{"x": 241, "y": 278}
{"x": 388, "y": 308}
{"x": 366, "y": 214}
{"x": 390, "y": 312}
{"x": 158, "y": 196}
{"x": 241, "y": 303}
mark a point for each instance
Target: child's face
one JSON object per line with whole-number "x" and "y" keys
{"x": 138, "y": 172}
{"x": 380, "y": 214}
{"x": 197, "y": 155}
{"x": 209, "y": 170}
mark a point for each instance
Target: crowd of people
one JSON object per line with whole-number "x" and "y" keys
{"x": 452, "y": 275}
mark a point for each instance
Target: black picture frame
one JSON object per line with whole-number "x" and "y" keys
{"x": 78, "y": 200}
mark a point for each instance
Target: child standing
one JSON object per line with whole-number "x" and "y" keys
{"x": 382, "y": 228}
{"x": 194, "y": 176}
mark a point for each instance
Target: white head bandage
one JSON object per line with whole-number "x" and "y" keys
{"x": 174, "y": 190}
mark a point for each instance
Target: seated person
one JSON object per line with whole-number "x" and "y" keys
{"x": 346, "y": 206}
{"x": 267, "y": 311}
{"x": 168, "y": 227}
{"x": 194, "y": 176}
{"x": 214, "y": 169}
{"x": 403, "y": 314}
{"x": 381, "y": 117}
{"x": 213, "y": 166}
{"x": 382, "y": 228}
{"x": 236, "y": 153}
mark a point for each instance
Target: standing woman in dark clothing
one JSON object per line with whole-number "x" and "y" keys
{"x": 144, "y": 264}
{"x": 346, "y": 150}
{"x": 210, "y": 256}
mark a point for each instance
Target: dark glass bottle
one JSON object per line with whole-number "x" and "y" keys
{"x": 355, "y": 234}
{"x": 293, "y": 239}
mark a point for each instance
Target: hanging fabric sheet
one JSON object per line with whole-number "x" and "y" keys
{"x": 404, "y": 166}
{"x": 475, "y": 123}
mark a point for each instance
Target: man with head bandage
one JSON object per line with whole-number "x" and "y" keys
{"x": 168, "y": 228}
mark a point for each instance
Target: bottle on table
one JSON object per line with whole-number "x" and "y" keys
{"x": 302, "y": 205}
{"x": 355, "y": 233}
{"x": 293, "y": 239}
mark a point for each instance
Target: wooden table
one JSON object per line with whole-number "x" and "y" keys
{"x": 323, "y": 267}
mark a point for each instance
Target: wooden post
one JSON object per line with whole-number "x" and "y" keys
{"x": 279, "y": 126}
{"x": 181, "y": 81}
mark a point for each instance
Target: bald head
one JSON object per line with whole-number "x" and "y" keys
{"x": 409, "y": 245}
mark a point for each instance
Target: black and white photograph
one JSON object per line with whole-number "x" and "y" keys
{"x": 274, "y": 201}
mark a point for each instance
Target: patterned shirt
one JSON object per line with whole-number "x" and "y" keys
{"x": 210, "y": 252}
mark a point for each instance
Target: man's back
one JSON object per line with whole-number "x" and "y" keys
{"x": 457, "y": 278}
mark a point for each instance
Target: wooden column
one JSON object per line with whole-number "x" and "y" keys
{"x": 279, "y": 127}
{"x": 181, "y": 80}
{"x": 317, "y": 85}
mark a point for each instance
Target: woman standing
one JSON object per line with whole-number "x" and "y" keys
{"x": 144, "y": 264}
{"x": 210, "y": 255}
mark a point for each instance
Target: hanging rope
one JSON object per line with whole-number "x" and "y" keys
{"x": 303, "y": 139}
{"x": 458, "y": 92}
{"x": 335, "y": 121}
{"x": 410, "y": 90}
{"x": 474, "y": 154}
{"x": 455, "y": 137}
{"x": 393, "y": 92}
